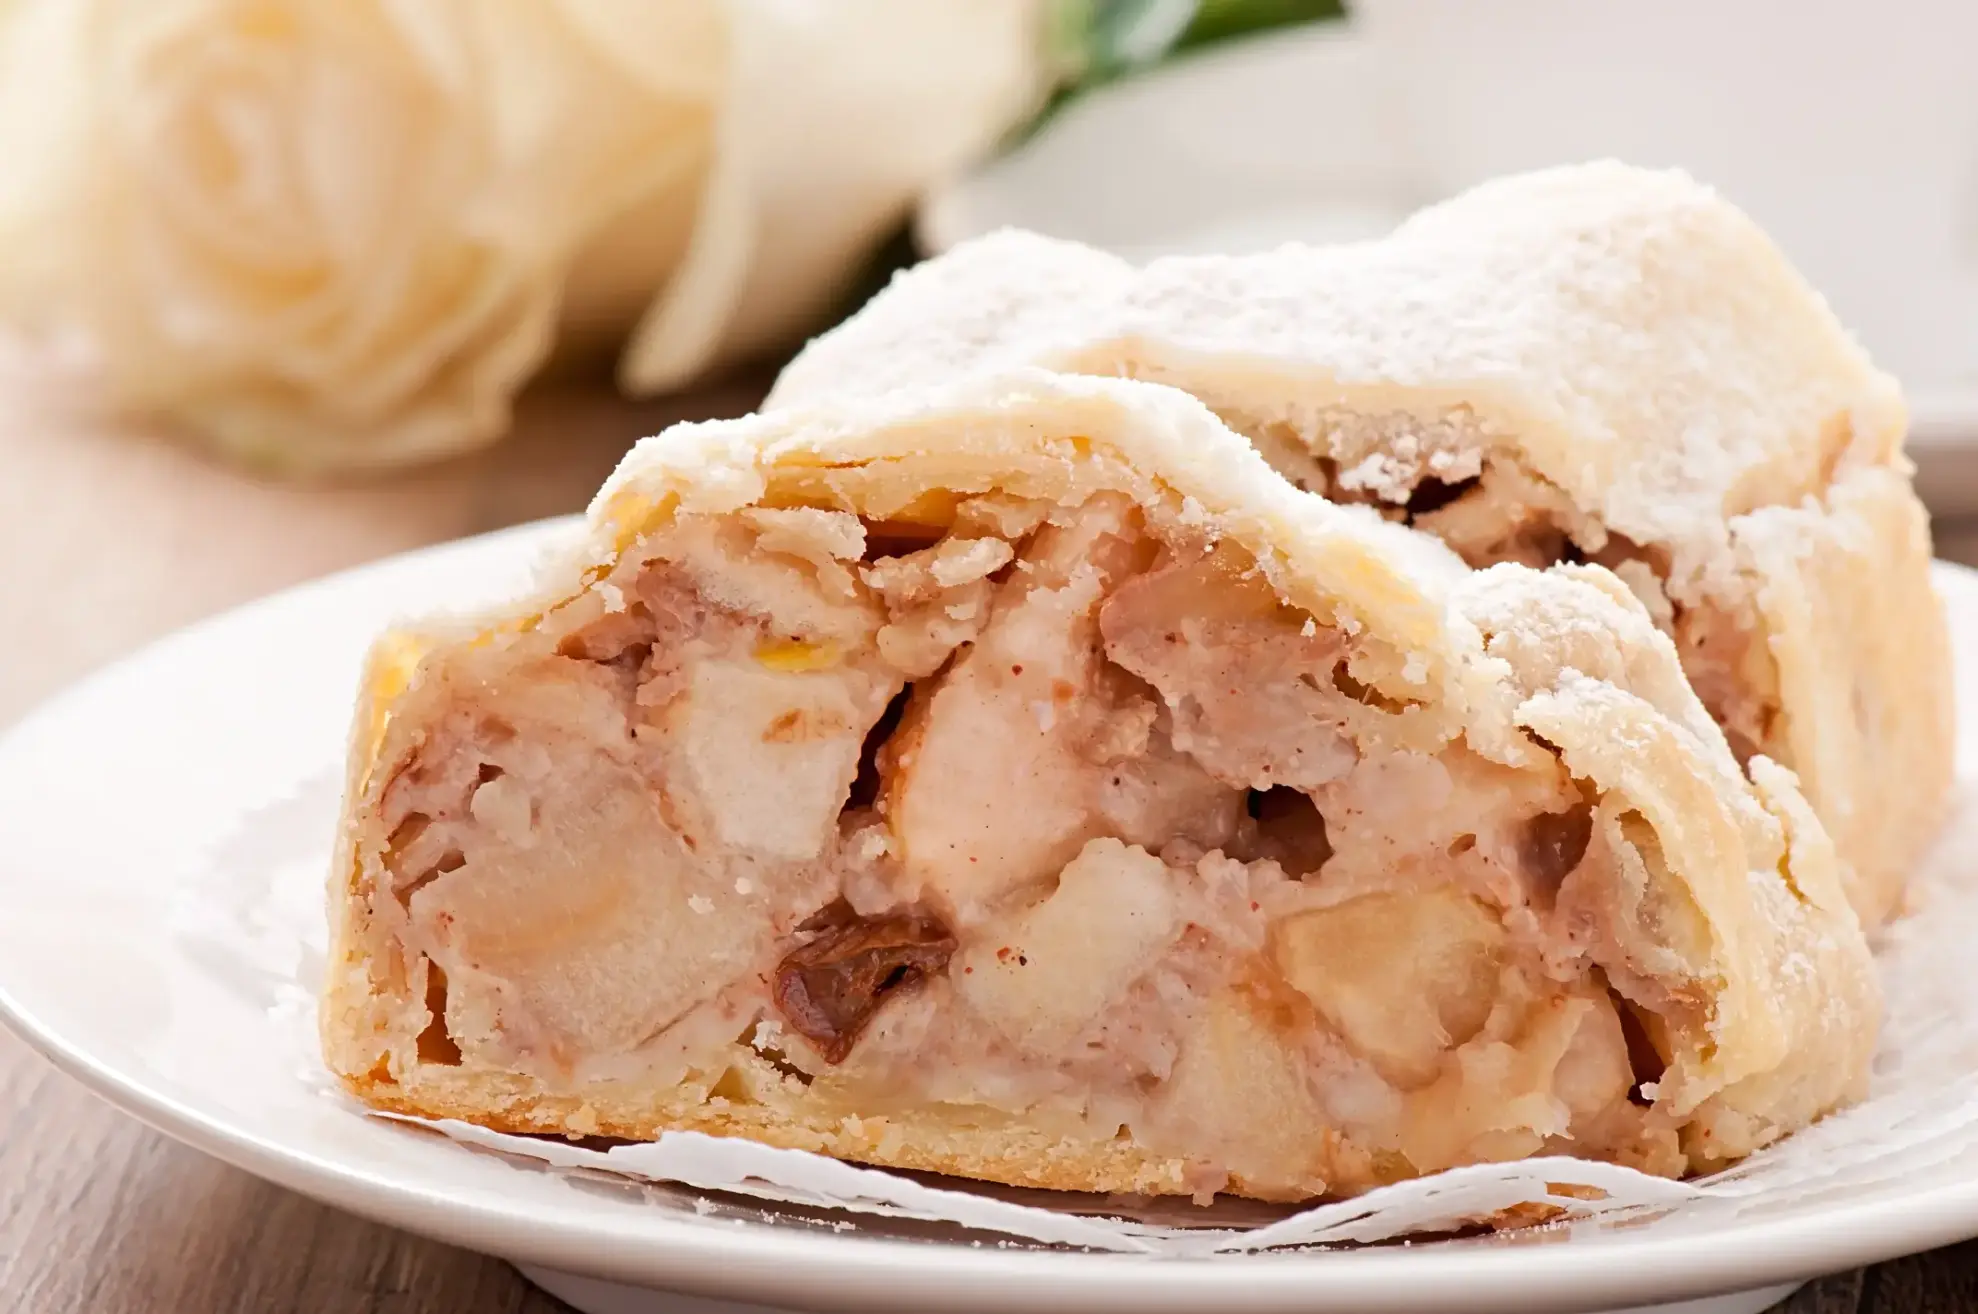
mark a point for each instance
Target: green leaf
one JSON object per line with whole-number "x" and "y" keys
{"x": 1218, "y": 20}
{"x": 1093, "y": 42}
{"x": 1096, "y": 40}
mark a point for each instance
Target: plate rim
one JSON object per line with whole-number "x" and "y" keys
{"x": 769, "y": 1265}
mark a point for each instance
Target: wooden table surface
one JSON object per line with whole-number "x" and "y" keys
{"x": 107, "y": 541}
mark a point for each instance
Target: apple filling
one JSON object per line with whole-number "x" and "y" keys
{"x": 1488, "y": 508}
{"x": 1047, "y": 812}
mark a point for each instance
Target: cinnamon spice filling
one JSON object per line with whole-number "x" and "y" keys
{"x": 1049, "y": 810}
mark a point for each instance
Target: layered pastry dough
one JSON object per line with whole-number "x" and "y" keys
{"x": 1022, "y": 780}
{"x": 1595, "y": 363}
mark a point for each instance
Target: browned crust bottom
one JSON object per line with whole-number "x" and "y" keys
{"x": 1004, "y": 1152}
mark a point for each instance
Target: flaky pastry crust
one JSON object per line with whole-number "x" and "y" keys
{"x": 560, "y": 905}
{"x": 1590, "y": 363}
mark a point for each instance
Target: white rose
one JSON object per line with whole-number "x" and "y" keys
{"x": 836, "y": 117}
{"x": 339, "y": 233}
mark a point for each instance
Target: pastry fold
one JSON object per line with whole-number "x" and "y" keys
{"x": 1021, "y": 780}
{"x": 1596, "y": 363}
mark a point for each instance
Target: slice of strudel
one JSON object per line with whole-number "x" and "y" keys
{"x": 1595, "y": 363}
{"x": 1022, "y": 780}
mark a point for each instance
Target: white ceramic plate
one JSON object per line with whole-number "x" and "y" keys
{"x": 208, "y": 766}
{"x": 1270, "y": 140}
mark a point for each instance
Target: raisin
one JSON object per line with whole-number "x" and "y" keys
{"x": 829, "y": 988}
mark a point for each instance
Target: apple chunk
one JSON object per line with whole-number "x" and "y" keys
{"x": 1055, "y": 968}
{"x": 765, "y": 758}
{"x": 596, "y": 933}
{"x": 1402, "y": 976}
{"x": 990, "y": 786}
{"x": 1241, "y": 1099}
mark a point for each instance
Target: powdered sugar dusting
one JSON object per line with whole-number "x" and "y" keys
{"x": 1623, "y": 333}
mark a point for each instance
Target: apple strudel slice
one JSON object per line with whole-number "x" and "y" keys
{"x": 1023, "y": 781}
{"x": 1594, "y": 363}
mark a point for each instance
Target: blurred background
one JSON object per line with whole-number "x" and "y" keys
{"x": 286, "y": 285}
{"x": 290, "y": 285}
